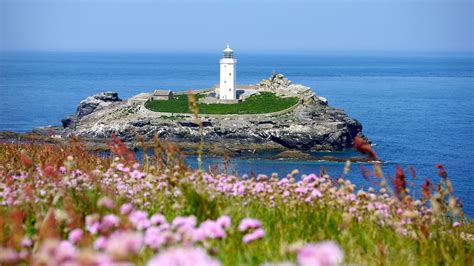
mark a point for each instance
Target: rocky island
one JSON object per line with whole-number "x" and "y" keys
{"x": 308, "y": 125}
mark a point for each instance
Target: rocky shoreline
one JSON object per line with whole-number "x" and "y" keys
{"x": 310, "y": 126}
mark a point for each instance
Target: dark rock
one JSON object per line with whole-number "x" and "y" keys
{"x": 90, "y": 104}
{"x": 68, "y": 121}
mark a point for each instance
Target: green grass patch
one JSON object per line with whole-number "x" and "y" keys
{"x": 265, "y": 102}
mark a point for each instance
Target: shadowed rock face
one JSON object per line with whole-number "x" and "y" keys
{"x": 312, "y": 126}
{"x": 89, "y": 105}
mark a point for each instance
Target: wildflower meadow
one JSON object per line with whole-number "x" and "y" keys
{"x": 63, "y": 205}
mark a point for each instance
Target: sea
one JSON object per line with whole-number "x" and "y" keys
{"x": 416, "y": 108}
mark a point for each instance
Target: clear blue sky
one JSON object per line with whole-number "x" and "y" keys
{"x": 251, "y": 26}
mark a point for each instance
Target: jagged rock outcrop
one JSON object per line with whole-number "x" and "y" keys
{"x": 89, "y": 105}
{"x": 275, "y": 81}
{"x": 282, "y": 86}
{"x": 311, "y": 126}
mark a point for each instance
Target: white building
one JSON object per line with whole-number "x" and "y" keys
{"x": 228, "y": 75}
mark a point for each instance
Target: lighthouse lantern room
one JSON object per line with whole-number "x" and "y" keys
{"x": 228, "y": 75}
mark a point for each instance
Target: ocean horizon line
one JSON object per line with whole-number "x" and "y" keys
{"x": 254, "y": 52}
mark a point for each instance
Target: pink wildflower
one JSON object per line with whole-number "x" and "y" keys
{"x": 184, "y": 224}
{"x": 8, "y": 256}
{"x": 105, "y": 202}
{"x": 75, "y": 235}
{"x": 183, "y": 257}
{"x": 283, "y": 181}
{"x": 100, "y": 242}
{"x": 224, "y": 221}
{"x": 139, "y": 219}
{"x": 137, "y": 174}
{"x": 121, "y": 167}
{"x": 326, "y": 253}
{"x": 62, "y": 169}
{"x": 250, "y": 237}
{"x": 26, "y": 242}
{"x": 65, "y": 251}
{"x": 154, "y": 238}
{"x": 92, "y": 224}
{"x": 310, "y": 178}
{"x": 126, "y": 208}
{"x": 122, "y": 246}
{"x": 157, "y": 219}
{"x": 212, "y": 229}
{"x": 249, "y": 223}
{"x": 108, "y": 222}
{"x": 301, "y": 190}
{"x": 198, "y": 235}
{"x": 316, "y": 193}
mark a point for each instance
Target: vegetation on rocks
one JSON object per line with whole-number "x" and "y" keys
{"x": 63, "y": 205}
{"x": 264, "y": 102}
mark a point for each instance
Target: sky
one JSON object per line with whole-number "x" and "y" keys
{"x": 249, "y": 26}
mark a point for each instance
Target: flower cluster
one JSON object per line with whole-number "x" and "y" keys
{"x": 87, "y": 210}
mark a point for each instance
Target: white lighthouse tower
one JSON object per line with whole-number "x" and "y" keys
{"x": 228, "y": 75}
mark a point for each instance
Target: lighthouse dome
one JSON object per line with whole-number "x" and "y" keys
{"x": 228, "y": 49}
{"x": 228, "y": 53}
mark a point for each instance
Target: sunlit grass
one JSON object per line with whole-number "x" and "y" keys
{"x": 265, "y": 102}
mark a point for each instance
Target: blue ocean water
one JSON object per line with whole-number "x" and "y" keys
{"x": 417, "y": 109}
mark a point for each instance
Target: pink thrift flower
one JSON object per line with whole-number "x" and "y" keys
{"x": 92, "y": 224}
{"x": 283, "y": 181}
{"x": 103, "y": 260}
{"x": 126, "y": 208}
{"x": 224, "y": 221}
{"x": 9, "y": 256}
{"x": 137, "y": 174}
{"x": 309, "y": 178}
{"x": 100, "y": 242}
{"x": 154, "y": 238}
{"x": 183, "y": 257}
{"x": 351, "y": 197}
{"x": 65, "y": 251}
{"x": 139, "y": 219}
{"x": 456, "y": 224}
{"x": 326, "y": 253}
{"x": 62, "y": 169}
{"x": 109, "y": 221}
{"x": 122, "y": 246}
{"x": 157, "y": 219}
{"x": 75, "y": 235}
{"x": 105, "y": 202}
{"x": 316, "y": 193}
{"x": 212, "y": 229}
{"x": 301, "y": 190}
{"x": 249, "y": 223}
{"x": 250, "y": 237}
{"x": 184, "y": 224}
{"x": 26, "y": 242}
{"x": 121, "y": 167}
{"x": 259, "y": 187}
{"x": 198, "y": 235}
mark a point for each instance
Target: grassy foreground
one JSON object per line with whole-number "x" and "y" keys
{"x": 64, "y": 205}
{"x": 265, "y": 102}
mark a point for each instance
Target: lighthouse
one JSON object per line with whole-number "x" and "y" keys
{"x": 227, "y": 83}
